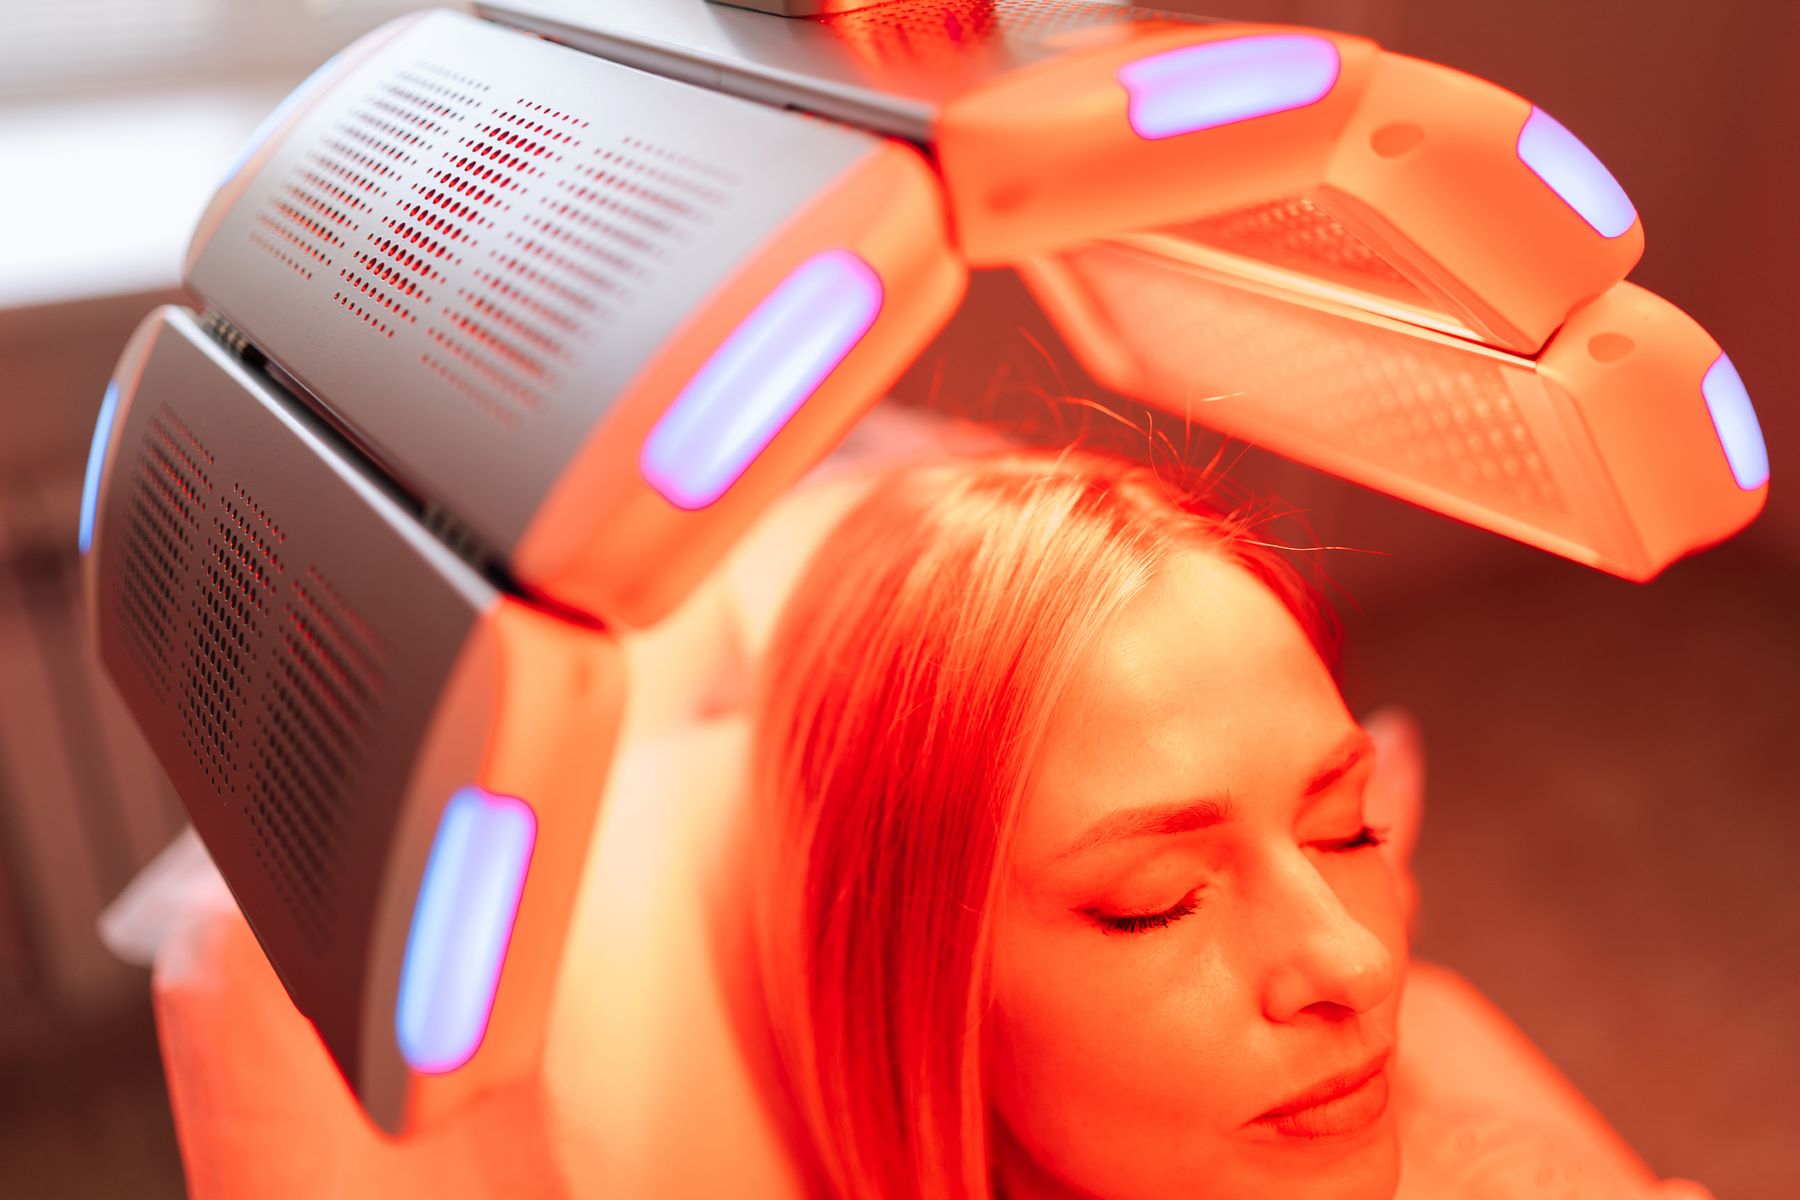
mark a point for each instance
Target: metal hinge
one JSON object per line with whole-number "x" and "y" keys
{"x": 229, "y": 336}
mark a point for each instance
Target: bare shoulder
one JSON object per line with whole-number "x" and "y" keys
{"x": 1471, "y": 1153}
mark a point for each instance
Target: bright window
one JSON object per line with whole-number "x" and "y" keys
{"x": 59, "y": 48}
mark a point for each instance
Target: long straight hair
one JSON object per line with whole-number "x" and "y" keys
{"x": 903, "y": 702}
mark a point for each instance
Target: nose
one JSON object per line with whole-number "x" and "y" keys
{"x": 1322, "y": 960}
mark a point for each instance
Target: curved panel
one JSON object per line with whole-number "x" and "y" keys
{"x": 472, "y": 240}
{"x": 280, "y": 629}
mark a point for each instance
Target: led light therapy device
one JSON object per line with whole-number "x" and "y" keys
{"x": 392, "y": 761}
{"x": 507, "y": 338}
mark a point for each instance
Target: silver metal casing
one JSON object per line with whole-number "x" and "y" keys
{"x": 318, "y": 675}
{"x": 496, "y": 262}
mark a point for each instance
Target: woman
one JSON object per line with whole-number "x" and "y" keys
{"x": 1067, "y": 887}
{"x": 964, "y": 1008}
{"x": 1072, "y": 888}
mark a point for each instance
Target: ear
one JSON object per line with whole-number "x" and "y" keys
{"x": 1396, "y": 796}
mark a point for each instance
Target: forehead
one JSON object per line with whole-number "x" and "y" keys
{"x": 1206, "y": 684}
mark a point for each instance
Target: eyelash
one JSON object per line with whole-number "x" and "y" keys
{"x": 1144, "y": 921}
{"x": 1365, "y": 837}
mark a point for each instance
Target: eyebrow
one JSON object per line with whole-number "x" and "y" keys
{"x": 1355, "y": 747}
{"x": 1186, "y": 816}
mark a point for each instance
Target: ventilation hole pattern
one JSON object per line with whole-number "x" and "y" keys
{"x": 319, "y": 209}
{"x": 525, "y": 300}
{"x": 501, "y": 413}
{"x": 327, "y": 680}
{"x": 463, "y": 169}
{"x": 686, "y": 162}
{"x": 163, "y": 519}
{"x": 364, "y": 160}
{"x": 513, "y": 326}
{"x": 370, "y": 291}
{"x": 637, "y": 157}
{"x": 450, "y": 205}
{"x": 275, "y": 678}
{"x": 1440, "y": 415}
{"x": 445, "y": 75}
{"x": 383, "y": 137}
{"x": 148, "y": 576}
{"x": 593, "y": 272}
{"x": 293, "y": 239}
{"x": 435, "y": 222}
{"x": 461, "y": 94}
{"x": 543, "y": 283}
{"x": 345, "y": 196}
{"x": 553, "y": 114}
{"x": 413, "y": 105}
{"x": 338, "y": 169}
{"x": 238, "y": 585}
{"x": 368, "y": 318}
{"x": 282, "y": 256}
{"x": 467, "y": 189}
{"x": 628, "y": 246}
{"x": 487, "y": 354}
{"x": 318, "y": 229}
{"x": 418, "y": 238}
{"x": 949, "y": 37}
{"x": 389, "y": 275}
{"x": 1296, "y": 235}
{"x": 522, "y": 125}
{"x": 517, "y": 359}
{"x": 405, "y": 260}
{"x": 484, "y": 367}
{"x": 508, "y": 230}
{"x": 500, "y": 158}
{"x": 315, "y": 209}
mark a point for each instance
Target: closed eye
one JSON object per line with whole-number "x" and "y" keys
{"x": 1140, "y": 922}
{"x": 1367, "y": 836}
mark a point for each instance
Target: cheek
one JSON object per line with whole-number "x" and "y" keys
{"x": 1105, "y": 1052}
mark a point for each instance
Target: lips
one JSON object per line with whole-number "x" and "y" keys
{"x": 1343, "y": 1104}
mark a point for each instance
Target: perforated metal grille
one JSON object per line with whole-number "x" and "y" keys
{"x": 500, "y": 230}
{"x": 163, "y": 515}
{"x": 274, "y": 676}
{"x": 1434, "y": 413}
{"x": 325, "y": 680}
{"x": 931, "y": 35}
{"x": 235, "y": 582}
{"x": 1296, "y": 235}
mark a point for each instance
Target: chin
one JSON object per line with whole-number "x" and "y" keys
{"x": 1367, "y": 1170}
{"x": 1364, "y": 1167}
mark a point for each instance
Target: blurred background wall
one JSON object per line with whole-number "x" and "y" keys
{"x": 1615, "y": 769}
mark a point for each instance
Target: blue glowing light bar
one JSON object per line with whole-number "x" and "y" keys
{"x": 1734, "y": 417}
{"x": 461, "y": 927}
{"x": 1198, "y": 87}
{"x": 1557, "y": 157}
{"x": 96, "y": 465}
{"x": 759, "y": 377}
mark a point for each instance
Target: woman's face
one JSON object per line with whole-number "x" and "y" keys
{"x": 1197, "y": 950}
